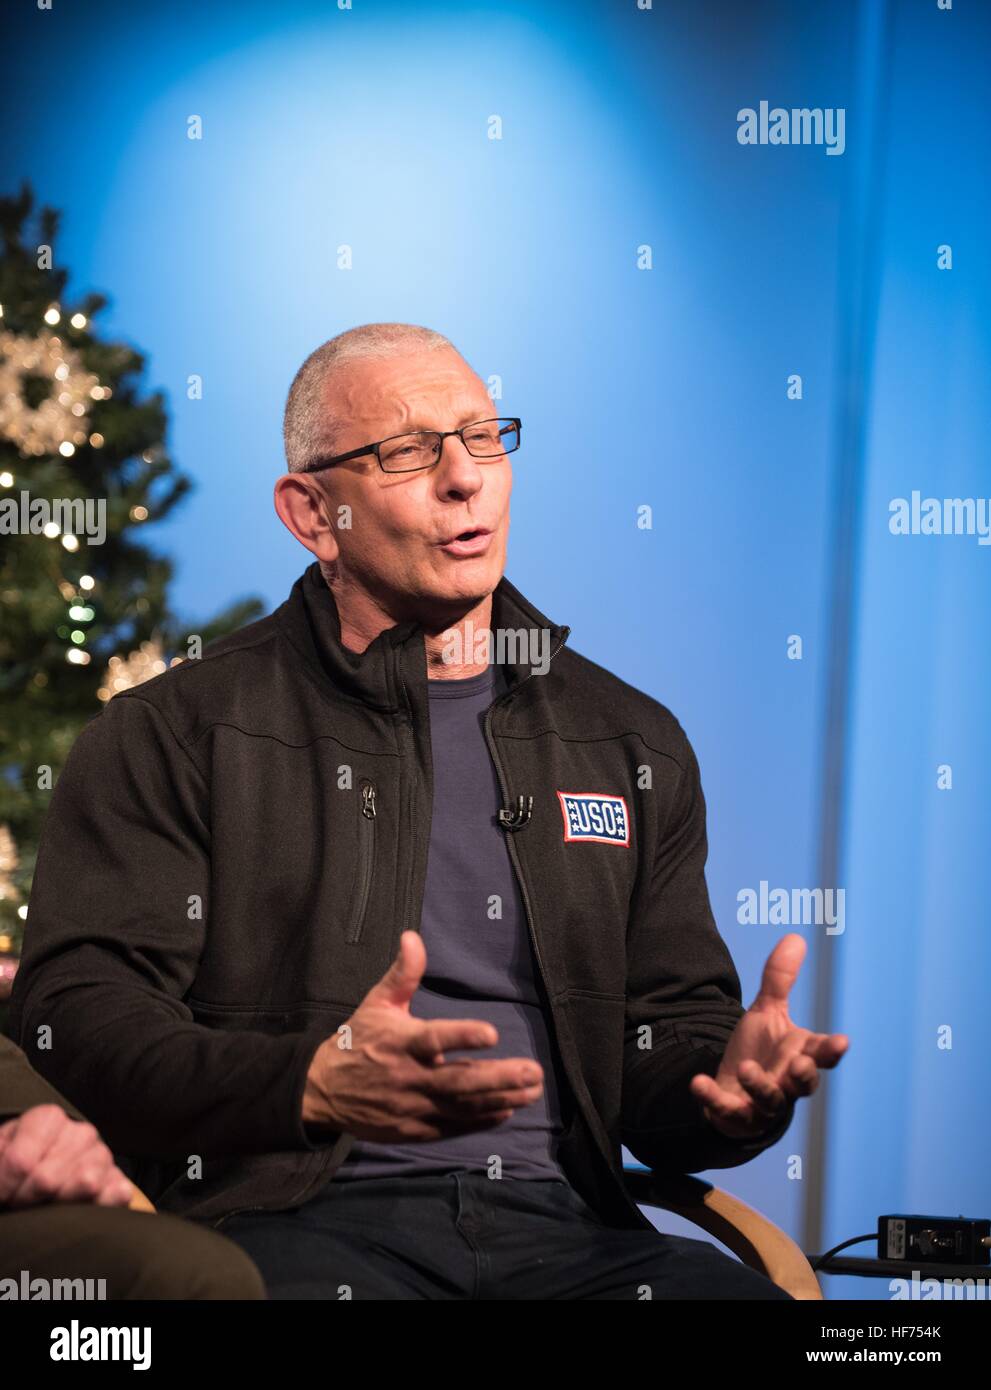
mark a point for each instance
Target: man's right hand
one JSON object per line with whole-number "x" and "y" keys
{"x": 392, "y": 1083}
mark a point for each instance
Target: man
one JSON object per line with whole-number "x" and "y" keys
{"x": 373, "y": 942}
{"x": 65, "y": 1227}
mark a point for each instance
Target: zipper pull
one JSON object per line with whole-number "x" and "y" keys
{"x": 368, "y": 801}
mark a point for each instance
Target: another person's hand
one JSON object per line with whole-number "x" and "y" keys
{"x": 46, "y": 1156}
{"x": 386, "y": 1079}
{"x": 769, "y": 1060}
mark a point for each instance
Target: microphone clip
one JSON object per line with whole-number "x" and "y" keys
{"x": 519, "y": 816}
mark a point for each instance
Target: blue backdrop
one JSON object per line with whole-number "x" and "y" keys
{"x": 642, "y": 287}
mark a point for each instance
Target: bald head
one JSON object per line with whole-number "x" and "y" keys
{"x": 310, "y": 427}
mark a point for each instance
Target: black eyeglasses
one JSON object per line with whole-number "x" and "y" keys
{"x": 407, "y": 453}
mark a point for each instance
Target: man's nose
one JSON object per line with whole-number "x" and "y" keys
{"x": 457, "y": 472}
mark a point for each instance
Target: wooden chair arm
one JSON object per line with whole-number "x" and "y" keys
{"x": 139, "y": 1202}
{"x": 752, "y": 1237}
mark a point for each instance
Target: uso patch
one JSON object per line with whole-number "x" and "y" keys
{"x": 596, "y": 817}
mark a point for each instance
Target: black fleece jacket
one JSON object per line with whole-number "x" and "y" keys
{"x": 212, "y": 899}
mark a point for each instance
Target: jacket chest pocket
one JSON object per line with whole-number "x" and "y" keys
{"x": 366, "y": 836}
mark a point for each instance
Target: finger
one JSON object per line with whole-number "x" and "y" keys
{"x": 469, "y": 1088}
{"x": 76, "y": 1146}
{"x": 117, "y": 1191}
{"x": 402, "y": 979}
{"x": 36, "y": 1131}
{"x": 767, "y": 1095}
{"x": 471, "y": 1078}
{"x": 40, "y": 1124}
{"x": 781, "y": 969}
{"x": 435, "y": 1036}
{"x": 74, "y": 1141}
{"x": 86, "y": 1183}
{"x": 465, "y": 1106}
{"x": 801, "y": 1077}
{"x": 85, "y": 1170}
{"x": 73, "y": 1169}
{"x": 721, "y": 1102}
{"x": 826, "y": 1049}
{"x": 732, "y": 1114}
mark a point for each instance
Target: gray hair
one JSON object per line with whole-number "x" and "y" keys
{"x": 306, "y": 429}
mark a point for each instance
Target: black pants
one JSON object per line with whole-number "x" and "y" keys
{"x": 466, "y": 1236}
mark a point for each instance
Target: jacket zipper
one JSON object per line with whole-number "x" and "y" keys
{"x": 511, "y": 845}
{"x": 514, "y": 859}
{"x": 513, "y": 854}
{"x": 366, "y": 856}
{"x": 408, "y": 722}
{"x": 517, "y": 870}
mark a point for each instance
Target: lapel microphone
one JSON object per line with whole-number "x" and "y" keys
{"x": 518, "y": 816}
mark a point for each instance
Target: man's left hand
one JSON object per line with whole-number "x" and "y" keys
{"x": 769, "y": 1061}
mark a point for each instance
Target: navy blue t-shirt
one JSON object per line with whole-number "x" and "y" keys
{"x": 480, "y": 962}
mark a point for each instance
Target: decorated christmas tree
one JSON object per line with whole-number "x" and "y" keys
{"x": 84, "y": 609}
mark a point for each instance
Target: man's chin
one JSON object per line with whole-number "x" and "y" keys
{"x": 468, "y": 584}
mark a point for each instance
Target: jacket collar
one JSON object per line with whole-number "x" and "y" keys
{"x": 376, "y": 676}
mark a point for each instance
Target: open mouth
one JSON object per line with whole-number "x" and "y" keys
{"x": 469, "y": 535}
{"x": 471, "y": 541}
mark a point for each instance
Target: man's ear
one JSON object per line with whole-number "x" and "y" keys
{"x": 304, "y": 509}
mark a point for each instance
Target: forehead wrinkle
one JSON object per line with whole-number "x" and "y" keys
{"x": 417, "y": 419}
{"x": 356, "y": 411}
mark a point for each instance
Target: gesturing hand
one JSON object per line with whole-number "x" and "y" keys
{"x": 388, "y": 1080}
{"x": 769, "y": 1060}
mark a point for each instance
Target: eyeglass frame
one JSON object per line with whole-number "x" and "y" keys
{"x": 443, "y": 434}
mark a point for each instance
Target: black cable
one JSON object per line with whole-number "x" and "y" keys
{"x": 854, "y": 1240}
